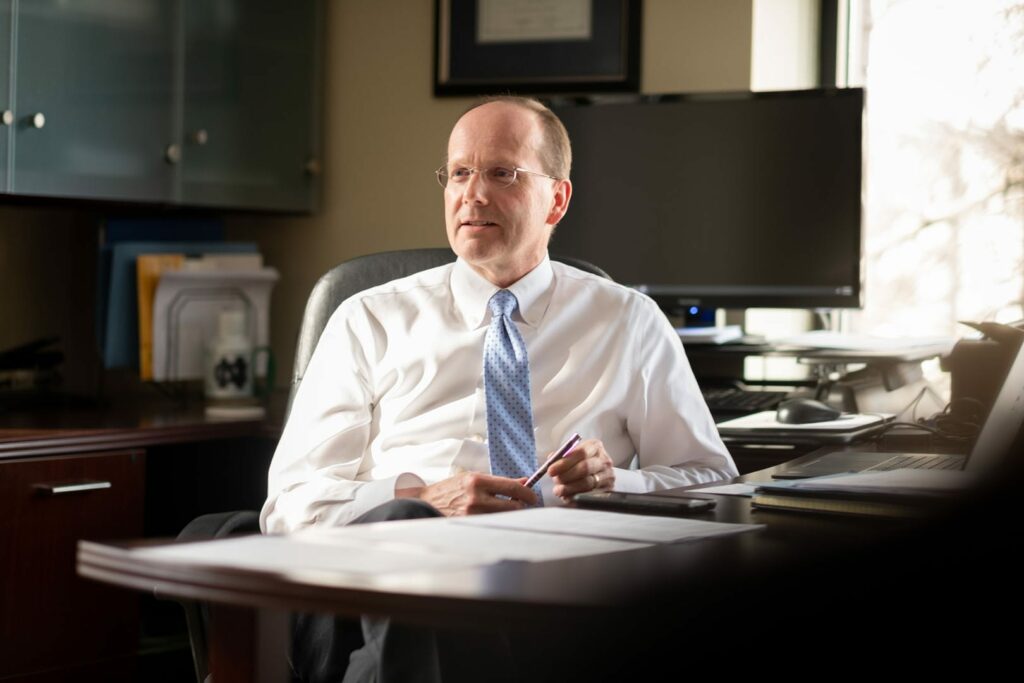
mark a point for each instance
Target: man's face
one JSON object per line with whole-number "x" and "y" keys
{"x": 501, "y": 232}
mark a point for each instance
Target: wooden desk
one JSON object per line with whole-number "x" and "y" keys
{"x": 802, "y": 583}
{"x": 148, "y": 468}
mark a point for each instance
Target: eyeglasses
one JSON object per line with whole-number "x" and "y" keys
{"x": 498, "y": 176}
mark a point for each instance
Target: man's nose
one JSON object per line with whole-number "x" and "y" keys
{"x": 476, "y": 189}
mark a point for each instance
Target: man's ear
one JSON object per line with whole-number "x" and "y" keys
{"x": 560, "y": 202}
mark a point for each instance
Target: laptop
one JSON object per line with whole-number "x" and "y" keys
{"x": 994, "y": 441}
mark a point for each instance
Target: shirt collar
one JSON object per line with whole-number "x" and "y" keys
{"x": 471, "y": 292}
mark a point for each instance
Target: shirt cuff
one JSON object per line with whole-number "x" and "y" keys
{"x": 380, "y": 491}
{"x": 629, "y": 481}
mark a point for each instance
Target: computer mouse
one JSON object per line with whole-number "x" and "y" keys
{"x": 798, "y": 411}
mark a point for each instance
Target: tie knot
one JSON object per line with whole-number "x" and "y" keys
{"x": 503, "y": 303}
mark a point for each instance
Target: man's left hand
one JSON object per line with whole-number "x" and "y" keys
{"x": 588, "y": 467}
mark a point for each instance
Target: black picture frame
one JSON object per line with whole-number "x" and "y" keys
{"x": 606, "y": 60}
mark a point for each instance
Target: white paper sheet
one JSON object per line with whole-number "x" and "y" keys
{"x": 767, "y": 421}
{"x": 824, "y": 339}
{"x": 569, "y": 522}
{"x": 479, "y": 543}
{"x": 709, "y": 335}
{"x": 378, "y": 550}
{"x": 283, "y": 554}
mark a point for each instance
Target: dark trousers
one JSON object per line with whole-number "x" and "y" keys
{"x": 329, "y": 649}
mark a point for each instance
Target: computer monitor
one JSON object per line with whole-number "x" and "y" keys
{"x": 730, "y": 200}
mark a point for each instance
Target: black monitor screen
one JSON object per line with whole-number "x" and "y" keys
{"x": 734, "y": 200}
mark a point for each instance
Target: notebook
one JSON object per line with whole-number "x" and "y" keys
{"x": 997, "y": 435}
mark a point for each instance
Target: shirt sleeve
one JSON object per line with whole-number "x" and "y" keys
{"x": 313, "y": 476}
{"x": 677, "y": 443}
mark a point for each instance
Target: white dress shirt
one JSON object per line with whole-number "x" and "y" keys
{"x": 393, "y": 395}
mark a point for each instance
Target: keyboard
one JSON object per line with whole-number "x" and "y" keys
{"x": 736, "y": 400}
{"x": 919, "y": 462}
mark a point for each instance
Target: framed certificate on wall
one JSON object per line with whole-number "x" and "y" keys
{"x": 536, "y": 46}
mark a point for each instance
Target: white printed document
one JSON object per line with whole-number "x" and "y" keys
{"x": 479, "y": 543}
{"x": 288, "y": 554}
{"x": 567, "y": 523}
{"x": 373, "y": 550}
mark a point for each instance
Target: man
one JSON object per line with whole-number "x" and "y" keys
{"x": 447, "y": 385}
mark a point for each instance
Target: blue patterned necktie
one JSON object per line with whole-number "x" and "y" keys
{"x": 510, "y": 439}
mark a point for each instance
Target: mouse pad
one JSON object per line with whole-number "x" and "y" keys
{"x": 766, "y": 421}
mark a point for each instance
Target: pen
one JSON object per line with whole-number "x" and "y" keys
{"x": 557, "y": 455}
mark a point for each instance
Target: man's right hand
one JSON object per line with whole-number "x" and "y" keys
{"x": 472, "y": 493}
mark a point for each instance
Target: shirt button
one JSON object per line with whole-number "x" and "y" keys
{"x": 477, "y": 438}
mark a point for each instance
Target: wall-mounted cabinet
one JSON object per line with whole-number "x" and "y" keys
{"x": 250, "y": 117}
{"x": 6, "y": 113}
{"x": 94, "y": 99}
{"x": 195, "y": 102}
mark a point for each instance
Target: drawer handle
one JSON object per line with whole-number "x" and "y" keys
{"x": 72, "y": 487}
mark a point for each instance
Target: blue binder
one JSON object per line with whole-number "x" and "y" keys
{"x": 117, "y": 319}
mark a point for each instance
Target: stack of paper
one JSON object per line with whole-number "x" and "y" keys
{"x": 824, "y": 339}
{"x": 709, "y": 335}
{"x": 767, "y": 421}
{"x": 385, "y": 548}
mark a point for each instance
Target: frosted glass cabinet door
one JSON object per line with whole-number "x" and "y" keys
{"x": 6, "y": 115}
{"x": 249, "y": 121}
{"x": 95, "y": 109}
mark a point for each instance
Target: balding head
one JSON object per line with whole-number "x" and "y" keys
{"x": 555, "y": 150}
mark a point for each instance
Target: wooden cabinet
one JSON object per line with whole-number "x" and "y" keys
{"x": 47, "y": 505}
{"x": 165, "y": 464}
{"x": 196, "y": 102}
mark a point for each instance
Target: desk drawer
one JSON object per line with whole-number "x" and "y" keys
{"x": 49, "y": 617}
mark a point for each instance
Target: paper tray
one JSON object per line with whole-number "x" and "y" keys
{"x": 763, "y": 427}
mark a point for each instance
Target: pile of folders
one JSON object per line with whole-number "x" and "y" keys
{"x": 895, "y": 493}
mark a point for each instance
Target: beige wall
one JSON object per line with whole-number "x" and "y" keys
{"x": 384, "y": 132}
{"x": 696, "y": 45}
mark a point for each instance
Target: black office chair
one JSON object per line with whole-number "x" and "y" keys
{"x": 338, "y": 284}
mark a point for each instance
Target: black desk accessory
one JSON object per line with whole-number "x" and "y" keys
{"x": 805, "y": 411}
{"x": 643, "y": 503}
{"x": 31, "y": 355}
{"x": 978, "y": 366}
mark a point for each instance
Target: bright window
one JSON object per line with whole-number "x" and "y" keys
{"x": 944, "y": 180}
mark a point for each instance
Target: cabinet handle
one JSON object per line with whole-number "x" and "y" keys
{"x": 200, "y": 137}
{"x": 72, "y": 487}
{"x": 7, "y": 117}
{"x": 37, "y": 120}
{"x": 172, "y": 154}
